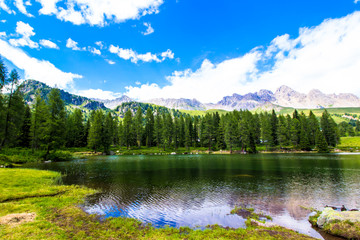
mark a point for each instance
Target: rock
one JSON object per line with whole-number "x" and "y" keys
{"x": 329, "y": 215}
{"x": 112, "y": 153}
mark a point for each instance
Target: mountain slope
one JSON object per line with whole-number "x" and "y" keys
{"x": 30, "y": 87}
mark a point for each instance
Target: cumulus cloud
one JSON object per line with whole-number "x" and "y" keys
{"x": 48, "y": 44}
{"x": 40, "y": 70}
{"x": 98, "y": 12}
{"x": 3, "y": 21}
{"x": 5, "y": 7}
{"x": 129, "y": 54}
{"x": 110, "y": 61}
{"x": 72, "y": 44}
{"x": 149, "y": 29}
{"x": 20, "y": 5}
{"x": 356, "y": 1}
{"x": 95, "y": 51}
{"x": 325, "y": 57}
{"x": 98, "y": 94}
{"x": 100, "y": 44}
{"x": 25, "y": 31}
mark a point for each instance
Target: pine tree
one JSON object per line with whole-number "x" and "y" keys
{"x": 138, "y": 125}
{"x": 55, "y": 123}
{"x": 314, "y": 126}
{"x": 79, "y": 128}
{"x": 329, "y": 129}
{"x": 231, "y": 131}
{"x": 208, "y": 131}
{"x": 38, "y": 122}
{"x": 107, "y": 135}
{"x": 25, "y": 137}
{"x": 274, "y": 125}
{"x": 128, "y": 129}
{"x": 295, "y": 132}
{"x": 196, "y": 132}
{"x": 158, "y": 129}
{"x": 283, "y": 133}
{"x": 8, "y": 125}
{"x": 95, "y": 139}
{"x": 149, "y": 127}
{"x": 266, "y": 130}
{"x": 167, "y": 130}
{"x": 188, "y": 132}
{"x": 321, "y": 144}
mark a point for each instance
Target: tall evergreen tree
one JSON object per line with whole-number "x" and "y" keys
{"x": 55, "y": 123}
{"x": 158, "y": 129}
{"x": 95, "y": 139}
{"x": 138, "y": 125}
{"x": 321, "y": 144}
{"x": 79, "y": 128}
{"x": 10, "y": 110}
{"x": 149, "y": 127}
{"x": 25, "y": 138}
{"x": 38, "y": 122}
{"x": 128, "y": 129}
{"x": 107, "y": 135}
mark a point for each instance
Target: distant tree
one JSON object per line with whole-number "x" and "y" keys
{"x": 266, "y": 130}
{"x": 314, "y": 126}
{"x": 295, "y": 132}
{"x": 188, "y": 129}
{"x": 274, "y": 125}
{"x": 231, "y": 131}
{"x": 208, "y": 131}
{"x": 329, "y": 129}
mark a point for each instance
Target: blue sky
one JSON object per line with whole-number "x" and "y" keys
{"x": 182, "y": 48}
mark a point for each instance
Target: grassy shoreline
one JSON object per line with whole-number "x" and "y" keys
{"x": 58, "y": 215}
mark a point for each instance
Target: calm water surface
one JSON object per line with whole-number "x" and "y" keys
{"x": 197, "y": 190}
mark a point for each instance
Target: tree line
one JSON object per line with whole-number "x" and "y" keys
{"x": 47, "y": 126}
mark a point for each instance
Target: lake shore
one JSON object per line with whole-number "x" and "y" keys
{"x": 53, "y": 213}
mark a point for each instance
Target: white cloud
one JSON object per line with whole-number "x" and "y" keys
{"x": 48, "y": 44}
{"x": 95, "y": 51}
{"x": 2, "y": 34}
{"x": 3, "y": 20}
{"x": 149, "y": 29}
{"x": 26, "y": 31}
{"x": 356, "y": 1}
{"x": 72, "y": 44}
{"x": 100, "y": 44}
{"x": 110, "y": 61}
{"x": 5, "y": 7}
{"x": 129, "y": 54}
{"x": 20, "y": 5}
{"x": 98, "y": 94}
{"x": 40, "y": 70}
{"x": 98, "y": 12}
{"x": 137, "y": 83}
{"x": 325, "y": 57}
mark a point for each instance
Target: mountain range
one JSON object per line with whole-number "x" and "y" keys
{"x": 284, "y": 96}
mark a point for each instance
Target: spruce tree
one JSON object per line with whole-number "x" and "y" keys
{"x": 107, "y": 135}
{"x": 321, "y": 144}
{"x": 149, "y": 127}
{"x": 55, "y": 123}
{"x": 95, "y": 139}
{"x": 79, "y": 128}
{"x": 128, "y": 129}
{"x": 25, "y": 137}
{"x": 138, "y": 125}
{"x": 9, "y": 116}
{"x": 38, "y": 122}
{"x": 158, "y": 129}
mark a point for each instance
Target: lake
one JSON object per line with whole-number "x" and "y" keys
{"x": 198, "y": 190}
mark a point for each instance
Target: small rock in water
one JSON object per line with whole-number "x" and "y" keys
{"x": 329, "y": 215}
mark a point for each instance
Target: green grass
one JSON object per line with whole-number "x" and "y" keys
{"x": 59, "y": 217}
{"x": 349, "y": 144}
{"x": 203, "y": 112}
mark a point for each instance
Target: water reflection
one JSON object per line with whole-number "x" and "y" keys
{"x": 202, "y": 189}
